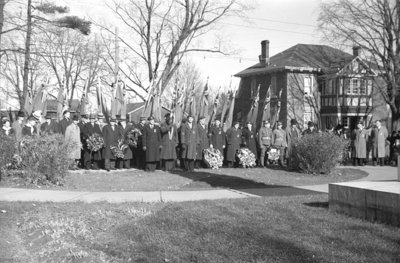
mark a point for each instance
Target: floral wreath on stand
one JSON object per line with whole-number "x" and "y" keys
{"x": 95, "y": 142}
{"x": 213, "y": 158}
{"x": 246, "y": 158}
{"x": 119, "y": 150}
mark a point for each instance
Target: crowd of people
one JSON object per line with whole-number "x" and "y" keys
{"x": 166, "y": 146}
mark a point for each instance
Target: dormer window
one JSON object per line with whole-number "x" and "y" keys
{"x": 358, "y": 86}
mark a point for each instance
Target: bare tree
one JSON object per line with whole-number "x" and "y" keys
{"x": 162, "y": 32}
{"x": 373, "y": 25}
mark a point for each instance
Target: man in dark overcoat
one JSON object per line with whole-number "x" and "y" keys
{"x": 217, "y": 136}
{"x": 91, "y": 160}
{"x": 81, "y": 124}
{"x": 111, "y": 135}
{"x": 189, "y": 141}
{"x": 204, "y": 142}
{"x": 293, "y": 133}
{"x": 140, "y": 156}
{"x": 233, "y": 140}
{"x": 65, "y": 122}
{"x": 151, "y": 144}
{"x": 249, "y": 139}
{"x": 379, "y": 135}
{"x": 169, "y": 141}
{"x": 128, "y": 156}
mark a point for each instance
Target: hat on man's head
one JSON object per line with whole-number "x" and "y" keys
{"x": 234, "y": 123}
{"x": 92, "y": 117}
{"x": 150, "y": 118}
{"x": 266, "y": 121}
{"x": 48, "y": 117}
{"x": 65, "y": 112}
{"x": 31, "y": 118}
{"x": 310, "y": 124}
{"x": 21, "y": 114}
{"x": 278, "y": 123}
{"x": 118, "y": 117}
{"x": 113, "y": 120}
{"x": 75, "y": 117}
{"x": 84, "y": 116}
{"x": 143, "y": 118}
{"x": 100, "y": 116}
{"x": 249, "y": 122}
{"x": 202, "y": 117}
{"x": 293, "y": 122}
{"x": 167, "y": 115}
{"x": 37, "y": 114}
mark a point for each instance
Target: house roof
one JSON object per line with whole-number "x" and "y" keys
{"x": 302, "y": 56}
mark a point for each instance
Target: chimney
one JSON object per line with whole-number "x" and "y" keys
{"x": 264, "y": 57}
{"x": 356, "y": 51}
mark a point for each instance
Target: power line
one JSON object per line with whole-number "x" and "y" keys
{"x": 269, "y": 29}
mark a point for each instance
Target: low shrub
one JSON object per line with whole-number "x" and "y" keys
{"x": 318, "y": 153}
{"x": 7, "y": 152}
{"x": 45, "y": 159}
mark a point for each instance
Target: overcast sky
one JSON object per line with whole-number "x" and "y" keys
{"x": 284, "y": 23}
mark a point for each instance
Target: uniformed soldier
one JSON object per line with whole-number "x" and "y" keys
{"x": 279, "y": 141}
{"x": 217, "y": 136}
{"x": 265, "y": 141}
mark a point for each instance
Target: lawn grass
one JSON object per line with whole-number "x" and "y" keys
{"x": 137, "y": 180}
{"x": 284, "y": 229}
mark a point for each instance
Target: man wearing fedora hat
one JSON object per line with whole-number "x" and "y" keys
{"x": 48, "y": 126}
{"x": 233, "y": 140}
{"x": 292, "y": 134}
{"x": 18, "y": 124}
{"x": 151, "y": 144}
{"x": 111, "y": 134}
{"x": 139, "y": 154}
{"x": 29, "y": 128}
{"x": 128, "y": 156}
{"x": 65, "y": 122}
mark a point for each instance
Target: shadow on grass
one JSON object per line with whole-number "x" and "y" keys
{"x": 242, "y": 184}
{"x": 318, "y": 204}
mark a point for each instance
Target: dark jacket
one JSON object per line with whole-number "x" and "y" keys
{"x": 233, "y": 140}
{"x": 124, "y": 131}
{"x": 204, "y": 143}
{"x": 249, "y": 140}
{"x": 88, "y": 130}
{"x": 189, "y": 141}
{"x": 169, "y": 141}
{"x": 63, "y": 124}
{"x": 110, "y": 138}
{"x": 152, "y": 142}
{"x": 217, "y": 138}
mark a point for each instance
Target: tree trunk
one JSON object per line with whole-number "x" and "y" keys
{"x": 27, "y": 53}
{"x": 2, "y": 4}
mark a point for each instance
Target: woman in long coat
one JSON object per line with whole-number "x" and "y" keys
{"x": 359, "y": 141}
{"x": 189, "y": 141}
{"x": 151, "y": 144}
{"x": 379, "y": 135}
{"x": 111, "y": 135}
{"x": 233, "y": 140}
{"x": 249, "y": 138}
{"x": 169, "y": 141}
{"x": 73, "y": 137}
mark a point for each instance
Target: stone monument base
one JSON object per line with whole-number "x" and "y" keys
{"x": 370, "y": 200}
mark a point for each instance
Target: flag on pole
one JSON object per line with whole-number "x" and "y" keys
{"x": 117, "y": 101}
{"x": 229, "y": 118}
{"x": 252, "y": 115}
{"x": 266, "y": 114}
{"x": 61, "y": 101}
{"x": 204, "y": 102}
{"x": 84, "y": 99}
{"x": 192, "y": 103}
{"x": 99, "y": 96}
{"x": 28, "y": 103}
{"x": 225, "y": 108}
{"x": 148, "y": 105}
{"x": 214, "y": 111}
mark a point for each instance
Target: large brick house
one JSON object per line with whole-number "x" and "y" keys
{"x": 311, "y": 83}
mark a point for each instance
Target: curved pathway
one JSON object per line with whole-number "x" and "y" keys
{"x": 33, "y": 195}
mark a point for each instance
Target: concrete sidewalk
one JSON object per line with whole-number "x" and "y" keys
{"x": 33, "y": 195}
{"x": 375, "y": 173}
